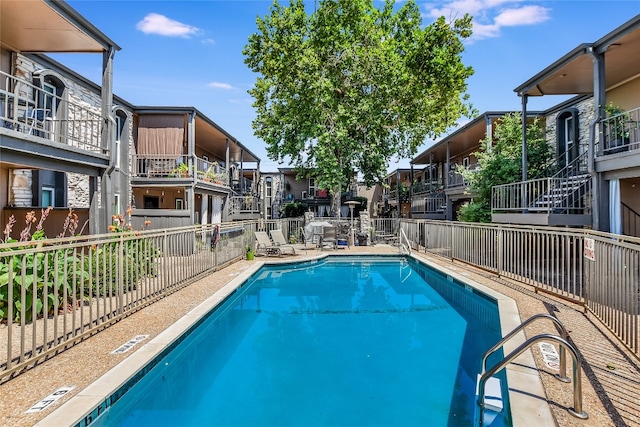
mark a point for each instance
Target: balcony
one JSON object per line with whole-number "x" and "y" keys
{"x": 621, "y": 132}
{"x": 544, "y": 201}
{"x": 33, "y": 120}
{"x": 432, "y": 206}
{"x": 426, "y": 187}
{"x": 456, "y": 179}
{"x": 171, "y": 167}
{"x": 244, "y": 207}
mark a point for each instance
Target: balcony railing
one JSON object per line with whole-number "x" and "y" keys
{"x": 243, "y": 205}
{"x": 161, "y": 166}
{"x": 208, "y": 171}
{"x": 244, "y": 186}
{"x": 426, "y": 187}
{"x": 434, "y": 203}
{"x": 544, "y": 195}
{"x": 456, "y": 179}
{"x": 31, "y": 110}
{"x": 172, "y": 166}
{"x": 621, "y": 132}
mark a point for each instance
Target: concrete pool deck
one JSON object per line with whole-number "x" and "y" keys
{"x": 611, "y": 375}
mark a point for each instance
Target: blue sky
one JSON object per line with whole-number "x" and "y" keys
{"x": 189, "y": 53}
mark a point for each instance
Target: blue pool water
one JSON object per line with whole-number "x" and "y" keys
{"x": 345, "y": 341}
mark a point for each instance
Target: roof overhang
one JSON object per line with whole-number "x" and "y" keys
{"x": 463, "y": 140}
{"x": 207, "y": 134}
{"x": 48, "y": 26}
{"x": 573, "y": 73}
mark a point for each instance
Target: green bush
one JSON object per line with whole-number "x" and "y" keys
{"x": 294, "y": 209}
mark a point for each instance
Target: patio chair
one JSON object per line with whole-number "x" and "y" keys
{"x": 265, "y": 246}
{"x": 279, "y": 240}
{"x": 329, "y": 238}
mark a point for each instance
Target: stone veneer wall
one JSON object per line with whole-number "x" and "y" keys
{"x": 78, "y": 185}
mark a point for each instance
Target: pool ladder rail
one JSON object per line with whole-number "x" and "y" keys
{"x": 564, "y": 345}
{"x": 403, "y": 242}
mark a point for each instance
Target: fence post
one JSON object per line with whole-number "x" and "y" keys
{"x": 500, "y": 250}
{"x": 120, "y": 276}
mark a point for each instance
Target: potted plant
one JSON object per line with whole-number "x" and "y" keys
{"x": 210, "y": 175}
{"x": 618, "y": 129}
{"x": 250, "y": 253}
{"x": 182, "y": 170}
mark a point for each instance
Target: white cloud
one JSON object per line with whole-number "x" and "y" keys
{"x": 208, "y": 41}
{"x": 527, "y": 15}
{"x": 155, "y": 23}
{"x": 489, "y": 16}
{"x": 218, "y": 85}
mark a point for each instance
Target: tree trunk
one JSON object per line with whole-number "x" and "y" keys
{"x": 335, "y": 203}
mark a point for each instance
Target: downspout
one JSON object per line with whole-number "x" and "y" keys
{"x": 599, "y": 102}
{"x": 193, "y": 165}
{"x": 411, "y": 178}
{"x": 445, "y": 178}
{"x": 525, "y": 153}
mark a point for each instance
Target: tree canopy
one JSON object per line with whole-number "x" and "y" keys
{"x": 500, "y": 162}
{"x": 348, "y": 87}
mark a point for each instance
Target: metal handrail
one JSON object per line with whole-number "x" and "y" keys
{"x": 576, "y": 411}
{"x": 404, "y": 240}
{"x": 562, "y": 376}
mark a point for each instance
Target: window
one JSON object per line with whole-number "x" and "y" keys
{"x": 151, "y": 202}
{"x": 268, "y": 212}
{"x": 269, "y": 187}
{"x": 179, "y": 204}
{"x": 465, "y": 162}
{"x": 48, "y": 197}
{"x": 118, "y": 138}
{"x": 312, "y": 187}
{"x": 48, "y": 108}
{"x": 116, "y": 204}
{"x": 49, "y": 104}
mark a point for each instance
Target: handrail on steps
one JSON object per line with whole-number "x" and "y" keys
{"x": 562, "y": 376}
{"x": 576, "y": 411}
{"x": 402, "y": 241}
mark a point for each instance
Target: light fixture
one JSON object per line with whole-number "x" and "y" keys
{"x": 147, "y": 191}
{"x": 163, "y": 193}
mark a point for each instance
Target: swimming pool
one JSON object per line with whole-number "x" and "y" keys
{"x": 339, "y": 341}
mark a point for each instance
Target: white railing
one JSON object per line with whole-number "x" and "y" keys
{"x": 30, "y": 110}
{"x": 243, "y": 204}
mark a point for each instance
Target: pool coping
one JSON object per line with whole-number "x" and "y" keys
{"x": 526, "y": 393}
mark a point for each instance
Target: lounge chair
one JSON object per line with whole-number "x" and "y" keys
{"x": 265, "y": 246}
{"x": 279, "y": 240}
{"x": 329, "y": 238}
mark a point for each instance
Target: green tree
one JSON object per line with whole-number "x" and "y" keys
{"x": 500, "y": 162}
{"x": 348, "y": 87}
